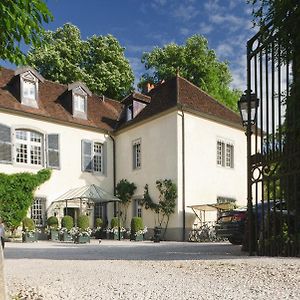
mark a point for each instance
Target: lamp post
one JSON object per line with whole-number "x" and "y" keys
{"x": 247, "y": 105}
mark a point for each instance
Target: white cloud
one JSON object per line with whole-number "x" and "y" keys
{"x": 185, "y": 31}
{"x": 224, "y": 50}
{"x": 212, "y": 6}
{"x": 185, "y": 12}
{"x": 138, "y": 48}
{"x": 205, "y": 28}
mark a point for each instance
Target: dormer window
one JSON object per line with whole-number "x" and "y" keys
{"x": 29, "y": 90}
{"x": 79, "y": 103}
{"x": 79, "y": 99}
{"x": 129, "y": 112}
{"x": 29, "y": 83}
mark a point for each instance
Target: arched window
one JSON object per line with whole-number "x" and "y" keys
{"x": 29, "y": 147}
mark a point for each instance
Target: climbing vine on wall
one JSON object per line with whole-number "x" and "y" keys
{"x": 17, "y": 194}
{"x": 166, "y": 204}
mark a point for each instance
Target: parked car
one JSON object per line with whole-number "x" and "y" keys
{"x": 231, "y": 224}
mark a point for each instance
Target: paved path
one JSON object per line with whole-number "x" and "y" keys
{"x": 145, "y": 270}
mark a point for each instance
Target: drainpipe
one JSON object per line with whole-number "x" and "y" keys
{"x": 114, "y": 183}
{"x": 183, "y": 173}
{"x": 114, "y": 162}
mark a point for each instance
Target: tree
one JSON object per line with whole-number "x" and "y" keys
{"x": 166, "y": 204}
{"x": 21, "y": 21}
{"x": 195, "y": 62}
{"x": 125, "y": 191}
{"x": 17, "y": 193}
{"x": 99, "y": 61}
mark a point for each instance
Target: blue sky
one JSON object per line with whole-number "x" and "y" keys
{"x": 141, "y": 25}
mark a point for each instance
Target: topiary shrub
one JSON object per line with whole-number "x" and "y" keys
{"x": 52, "y": 222}
{"x": 98, "y": 223}
{"x": 28, "y": 224}
{"x": 136, "y": 224}
{"x": 115, "y": 222}
{"x": 83, "y": 222}
{"x": 67, "y": 222}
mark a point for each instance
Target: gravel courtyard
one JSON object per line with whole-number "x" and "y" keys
{"x": 144, "y": 270}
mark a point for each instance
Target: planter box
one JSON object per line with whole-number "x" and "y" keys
{"x": 82, "y": 239}
{"x": 65, "y": 237}
{"x": 29, "y": 237}
{"x": 115, "y": 235}
{"x": 134, "y": 237}
{"x": 53, "y": 236}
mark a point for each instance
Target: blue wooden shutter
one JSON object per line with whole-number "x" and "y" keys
{"x": 86, "y": 156}
{"x": 5, "y": 144}
{"x": 53, "y": 151}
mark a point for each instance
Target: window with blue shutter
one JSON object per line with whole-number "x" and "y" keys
{"x": 5, "y": 144}
{"x": 53, "y": 151}
{"x": 86, "y": 156}
{"x": 93, "y": 157}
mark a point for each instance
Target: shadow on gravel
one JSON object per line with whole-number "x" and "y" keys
{"x": 130, "y": 251}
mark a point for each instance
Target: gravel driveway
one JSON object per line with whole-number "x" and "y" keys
{"x": 144, "y": 270}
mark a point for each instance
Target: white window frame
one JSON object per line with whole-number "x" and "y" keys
{"x": 29, "y": 100}
{"x": 38, "y": 211}
{"x": 225, "y": 153}
{"x": 79, "y": 109}
{"x": 99, "y": 156}
{"x": 28, "y": 144}
{"x": 137, "y": 154}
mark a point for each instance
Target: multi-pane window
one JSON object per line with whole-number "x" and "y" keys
{"x": 38, "y": 211}
{"x": 137, "y": 154}
{"x": 225, "y": 154}
{"x": 29, "y": 147}
{"x": 138, "y": 208}
{"x": 92, "y": 156}
{"x": 100, "y": 211}
{"x": 229, "y": 155}
{"x": 97, "y": 159}
{"x": 220, "y": 153}
{"x": 79, "y": 103}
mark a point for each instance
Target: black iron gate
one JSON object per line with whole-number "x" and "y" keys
{"x": 274, "y": 151}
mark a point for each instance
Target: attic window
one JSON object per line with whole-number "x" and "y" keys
{"x": 79, "y": 103}
{"x": 29, "y": 90}
{"x": 79, "y": 94}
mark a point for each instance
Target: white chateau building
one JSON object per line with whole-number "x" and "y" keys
{"x": 175, "y": 131}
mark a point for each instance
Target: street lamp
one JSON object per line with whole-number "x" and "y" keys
{"x": 248, "y": 105}
{"x": 244, "y": 107}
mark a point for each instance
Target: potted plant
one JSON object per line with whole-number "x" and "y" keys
{"x": 29, "y": 231}
{"x": 137, "y": 229}
{"x": 82, "y": 233}
{"x": 98, "y": 230}
{"x": 66, "y": 225}
{"x": 52, "y": 223}
{"x": 114, "y": 232}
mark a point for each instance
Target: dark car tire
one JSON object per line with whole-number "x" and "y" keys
{"x": 235, "y": 241}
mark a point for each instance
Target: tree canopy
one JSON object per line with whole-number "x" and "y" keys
{"x": 21, "y": 21}
{"x": 17, "y": 194}
{"x": 99, "y": 61}
{"x": 195, "y": 62}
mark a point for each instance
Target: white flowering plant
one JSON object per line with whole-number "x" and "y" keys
{"x": 76, "y": 231}
{"x": 141, "y": 232}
